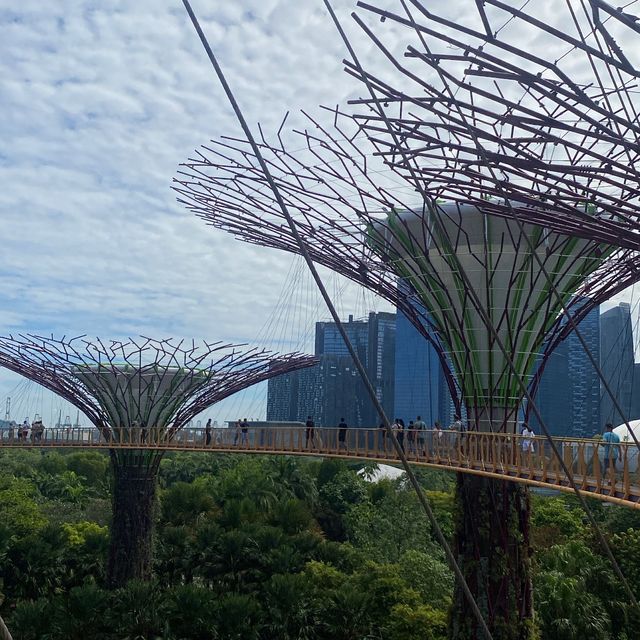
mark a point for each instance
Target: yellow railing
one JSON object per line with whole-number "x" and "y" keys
{"x": 604, "y": 471}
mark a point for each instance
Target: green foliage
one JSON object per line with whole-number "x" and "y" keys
{"x": 373, "y": 525}
{"x": 410, "y": 623}
{"x": 274, "y": 547}
{"x": 555, "y": 521}
{"x": 79, "y": 532}
{"x": 19, "y": 510}
{"x": 66, "y": 487}
{"x": 92, "y": 466}
{"x": 428, "y": 574}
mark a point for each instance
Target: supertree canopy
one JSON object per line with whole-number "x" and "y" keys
{"x": 531, "y": 106}
{"x": 158, "y": 384}
{"x": 454, "y": 259}
{"x": 126, "y": 386}
{"x": 485, "y": 185}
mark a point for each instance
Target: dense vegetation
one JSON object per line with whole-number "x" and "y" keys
{"x": 271, "y": 548}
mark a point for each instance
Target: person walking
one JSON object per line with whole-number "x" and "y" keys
{"x": 400, "y": 432}
{"x": 411, "y": 437}
{"x": 526, "y": 442}
{"x": 382, "y": 437}
{"x": 437, "y": 438}
{"x": 456, "y": 429}
{"x": 342, "y": 434}
{"x": 611, "y": 448}
{"x": 309, "y": 432}
{"x": 236, "y": 435}
{"x": 244, "y": 433}
{"x": 421, "y": 434}
{"x": 207, "y": 433}
{"x": 25, "y": 429}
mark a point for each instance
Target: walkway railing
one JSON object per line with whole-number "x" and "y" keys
{"x": 605, "y": 471}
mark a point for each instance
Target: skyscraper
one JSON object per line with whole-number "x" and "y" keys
{"x": 616, "y": 362}
{"x": 333, "y": 388}
{"x": 568, "y": 395}
{"x": 418, "y": 375}
{"x": 584, "y": 379}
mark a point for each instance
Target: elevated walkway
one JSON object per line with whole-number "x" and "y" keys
{"x": 492, "y": 455}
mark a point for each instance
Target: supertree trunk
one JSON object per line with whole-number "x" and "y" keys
{"x": 493, "y": 549}
{"x": 133, "y": 502}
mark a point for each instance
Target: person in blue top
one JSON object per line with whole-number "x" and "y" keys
{"x": 611, "y": 448}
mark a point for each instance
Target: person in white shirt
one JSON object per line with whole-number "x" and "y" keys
{"x": 527, "y": 442}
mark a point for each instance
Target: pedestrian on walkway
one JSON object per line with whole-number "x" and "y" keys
{"x": 437, "y": 438}
{"x": 309, "y": 432}
{"x": 611, "y": 448}
{"x": 528, "y": 445}
{"x": 382, "y": 437}
{"x": 411, "y": 437}
{"x": 421, "y": 432}
{"x": 244, "y": 431}
{"x": 400, "y": 432}
{"x": 456, "y": 430}
{"x": 342, "y": 434}
{"x": 207, "y": 433}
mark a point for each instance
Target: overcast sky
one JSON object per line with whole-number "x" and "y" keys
{"x": 100, "y": 102}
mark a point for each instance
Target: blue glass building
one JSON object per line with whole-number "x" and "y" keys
{"x": 419, "y": 376}
{"x": 333, "y": 389}
{"x": 617, "y": 363}
{"x": 568, "y": 396}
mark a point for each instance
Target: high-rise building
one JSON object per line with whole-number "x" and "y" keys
{"x": 568, "y": 394}
{"x": 584, "y": 379}
{"x": 333, "y": 388}
{"x": 616, "y": 362}
{"x": 418, "y": 375}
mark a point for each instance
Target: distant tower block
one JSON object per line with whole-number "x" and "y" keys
{"x": 137, "y": 389}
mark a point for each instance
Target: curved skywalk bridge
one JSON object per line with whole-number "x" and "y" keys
{"x": 492, "y": 455}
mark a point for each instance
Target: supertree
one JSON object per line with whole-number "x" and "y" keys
{"x": 407, "y": 184}
{"x": 133, "y": 386}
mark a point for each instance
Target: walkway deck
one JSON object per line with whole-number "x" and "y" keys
{"x": 486, "y": 454}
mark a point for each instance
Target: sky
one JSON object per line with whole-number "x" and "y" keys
{"x": 100, "y": 103}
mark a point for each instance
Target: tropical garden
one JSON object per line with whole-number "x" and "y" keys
{"x": 275, "y": 547}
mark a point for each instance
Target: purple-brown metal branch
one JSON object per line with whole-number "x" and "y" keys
{"x": 557, "y": 136}
{"x": 117, "y": 383}
{"x": 337, "y": 192}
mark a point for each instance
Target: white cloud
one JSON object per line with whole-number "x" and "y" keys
{"x": 100, "y": 103}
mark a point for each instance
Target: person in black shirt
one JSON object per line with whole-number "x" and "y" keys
{"x": 207, "y": 432}
{"x": 309, "y": 432}
{"x": 342, "y": 434}
{"x": 400, "y": 432}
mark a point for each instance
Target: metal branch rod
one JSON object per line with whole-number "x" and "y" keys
{"x": 319, "y": 283}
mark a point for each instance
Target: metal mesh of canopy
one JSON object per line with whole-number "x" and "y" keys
{"x": 159, "y": 384}
{"x": 338, "y": 206}
{"x": 526, "y": 106}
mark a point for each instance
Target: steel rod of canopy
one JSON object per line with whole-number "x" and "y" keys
{"x": 319, "y": 283}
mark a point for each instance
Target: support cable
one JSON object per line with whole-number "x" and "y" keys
{"x": 365, "y": 378}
